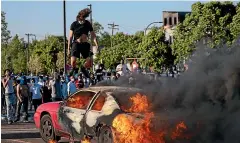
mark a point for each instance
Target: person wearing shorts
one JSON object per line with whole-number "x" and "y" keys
{"x": 78, "y": 40}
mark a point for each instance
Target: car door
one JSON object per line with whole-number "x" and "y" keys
{"x": 103, "y": 105}
{"x": 73, "y": 111}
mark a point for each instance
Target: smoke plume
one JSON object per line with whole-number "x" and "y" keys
{"x": 206, "y": 97}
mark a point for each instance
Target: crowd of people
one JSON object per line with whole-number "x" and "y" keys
{"x": 21, "y": 93}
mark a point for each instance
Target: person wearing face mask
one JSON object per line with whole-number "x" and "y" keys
{"x": 78, "y": 41}
{"x": 71, "y": 87}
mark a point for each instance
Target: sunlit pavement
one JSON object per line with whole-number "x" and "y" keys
{"x": 23, "y": 133}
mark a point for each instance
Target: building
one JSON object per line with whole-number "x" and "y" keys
{"x": 170, "y": 21}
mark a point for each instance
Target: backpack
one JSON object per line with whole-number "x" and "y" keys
{"x": 24, "y": 90}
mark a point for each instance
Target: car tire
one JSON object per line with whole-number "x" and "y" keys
{"x": 105, "y": 135}
{"x": 47, "y": 130}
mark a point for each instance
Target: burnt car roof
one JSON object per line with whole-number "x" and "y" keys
{"x": 113, "y": 88}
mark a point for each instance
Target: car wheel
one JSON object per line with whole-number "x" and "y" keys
{"x": 105, "y": 135}
{"x": 47, "y": 131}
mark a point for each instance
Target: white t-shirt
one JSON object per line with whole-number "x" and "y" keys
{"x": 35, "y": 89}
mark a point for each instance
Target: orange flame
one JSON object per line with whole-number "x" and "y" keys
{"x": 52, "y": 141}
{"x": 86, "y": 140}
{"x": 79, "y": 101}
{"x": 132, "y": 129}
{"x": 99, "y": 103}
{"x": 179, "y": 131}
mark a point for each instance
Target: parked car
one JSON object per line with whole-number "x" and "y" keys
{"x": 88, "y": 112}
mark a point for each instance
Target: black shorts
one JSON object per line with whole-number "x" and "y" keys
{"x": 81, "y": 48}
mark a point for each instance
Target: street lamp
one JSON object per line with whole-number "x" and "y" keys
{"x": 150, "y": 25}
{"x": 64, "y": 30}
{"x": 90, "y": 7}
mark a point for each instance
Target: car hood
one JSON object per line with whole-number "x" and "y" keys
{"x": 50, "y": 106}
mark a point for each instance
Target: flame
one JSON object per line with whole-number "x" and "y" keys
{"x": 140, "y": 104}
{"x": 132, "y": 129}
{"x": 52, "y": 141}
{"x": 99, "y": 103}
{"x": 86, "y": 140}
{"x": 179, "y": 132}
{"x": 79, "y": 101}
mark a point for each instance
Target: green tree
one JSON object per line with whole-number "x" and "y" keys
{"x": 97, "y": 27}
{"x": 155, "y": 50}
{"x": 45, "y": 49}
{"x": 208, "y": 21}
{"x": 123, "y": 46}
{"x": 235, "y": 25}
{"x": 104, "y": 39}
{"x": 14, "y": 57}
{"x": 5, "y": 33}
{"x": 35, "y": 64}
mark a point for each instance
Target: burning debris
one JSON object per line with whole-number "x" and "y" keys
{"x": 52, "y": 141}
{"x": 86, "y": 140}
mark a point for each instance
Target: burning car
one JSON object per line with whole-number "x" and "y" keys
{"x": 107, "y": 114}
{"x": 86, "y": 113}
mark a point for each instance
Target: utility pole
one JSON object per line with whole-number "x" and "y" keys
{"x": 28, "y": 35}
{"x": 65, "y": 41}
{"x": 112, "y": 26}
{"x": 90, "y": 7}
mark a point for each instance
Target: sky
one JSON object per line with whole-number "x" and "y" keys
{"x": 46, "y": 17}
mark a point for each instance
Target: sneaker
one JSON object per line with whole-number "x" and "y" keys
{"x": 25, "y": 121}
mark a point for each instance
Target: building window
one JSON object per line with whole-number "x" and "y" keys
{"x": 165, "y": 21}
{"x": 170, "y": 20}
{"x": 175, "y": 20}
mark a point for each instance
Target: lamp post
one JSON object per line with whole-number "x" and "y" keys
{"x": 64, "y": 38}
{"x": 90, "y": 7}
{"x": 150, "y": 25}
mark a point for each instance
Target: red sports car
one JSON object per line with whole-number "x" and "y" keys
{"x": 87, "y": 112}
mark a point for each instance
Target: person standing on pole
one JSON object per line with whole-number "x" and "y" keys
{"x": 78, "y": 40}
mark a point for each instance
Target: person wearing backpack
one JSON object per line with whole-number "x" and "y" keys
{"x": 22, "y": 96}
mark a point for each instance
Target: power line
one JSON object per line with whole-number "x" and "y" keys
{"x": 113, "y": 27}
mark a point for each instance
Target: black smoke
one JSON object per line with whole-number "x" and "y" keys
{"x": 206, "y": 96}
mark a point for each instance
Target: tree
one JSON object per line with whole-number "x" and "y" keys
{"x": 155, "y": 50}
{"x": 45, "y": 49}
{"x": 208, "y": 21}
{"x": 14, "y": 56}
{"x": 35, "y": 64}
{"x": 97, "y": 27}
{"x": 60, "y": 60}
{"x": 123, "y": 46}
{"x": 5, "y": 35}
{"x": 104, "y": 40}
{"x": 235, "y": 25}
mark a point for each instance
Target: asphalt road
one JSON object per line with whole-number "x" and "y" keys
{"x": 22, "y": 133}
